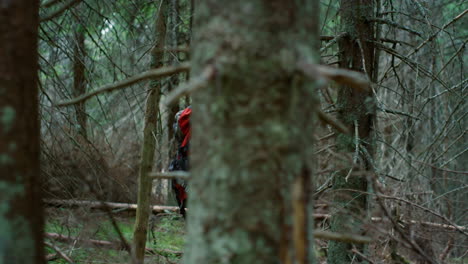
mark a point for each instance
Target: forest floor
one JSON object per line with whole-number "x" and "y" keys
{"x": 166, "y": 237}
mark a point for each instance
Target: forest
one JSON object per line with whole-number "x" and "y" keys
{"x": 247, "y": 131}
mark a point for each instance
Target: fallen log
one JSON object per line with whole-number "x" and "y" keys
{"x": 161, "y": 209}
{"x": 116, "y": 245}
{"x": 102, "y": 205}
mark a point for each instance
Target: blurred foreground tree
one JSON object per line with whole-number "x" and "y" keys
{"x": 252, "y": 132}
{"x": 21, "y": 215}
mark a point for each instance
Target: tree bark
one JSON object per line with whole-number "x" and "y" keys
{"x": 356, "y": 111}
{"x": 21, "y": 214}
{"x": 149, "y": 141}
{"x": 252, "y": 132}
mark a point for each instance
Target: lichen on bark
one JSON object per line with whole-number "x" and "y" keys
{"x": 252, "y": 129}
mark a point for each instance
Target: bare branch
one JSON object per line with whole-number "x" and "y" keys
{"x": 395, "y": 25}
{"x": 170, "y": 175}
{"x": 59, "y": 252}
{"x": 192, "y": 85}
{"x": 104, "y": 205}
{"x": 347, "y": 238}
{"x": 333, "y": 41}
{"x": 436, "y": 33}
{"x": 333, "y": 122}
{"x": 151, "y": 74}
{"x": 395, "y": 112}
{"x": 353, "y": 79}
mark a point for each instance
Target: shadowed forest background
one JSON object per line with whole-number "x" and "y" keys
{"x": 322, "y": 131}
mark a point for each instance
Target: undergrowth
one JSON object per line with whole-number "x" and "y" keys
{"x": 166, "y": 237}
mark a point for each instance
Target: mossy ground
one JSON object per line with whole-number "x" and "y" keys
{"x": 166, "y": 236}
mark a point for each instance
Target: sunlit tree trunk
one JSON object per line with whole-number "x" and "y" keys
{"x": 149, "y": 140}
{"x": 21, "y": 214}
{"x": 356, "y": 111}
{"x": 252, "y": 133}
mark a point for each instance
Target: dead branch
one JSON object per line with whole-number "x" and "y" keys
{"x": 353, "y": 79}
{"x": 104, "y": 205}
{"x": 347, "y": 238}
{"x": 395, "y": 25}
{"x": 395, "y": 41}
{"x": 333, "y": 41}
{"x": 395, "y": 112}
{"x": 333, "y": 122}
{"x": 412, "y": 64}
{"x": 59, "y": 252}
{"x": 116, "y": 245}
{"x": 430, "y": 38}
{"x": 192, "y": 85}
{"x": 151, "y": 74}
{"x": 170, "y": 175}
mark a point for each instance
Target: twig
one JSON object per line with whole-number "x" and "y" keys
{"x": 170, "y": 175}
{"x": 59, "y": 252}
{"x": 192, "y": 85}
{"x": 151, "y": 74}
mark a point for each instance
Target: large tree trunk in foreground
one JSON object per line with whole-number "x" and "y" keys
{"x": 356, "y": 111}
{"x": 21, "y": 215}
{"x": 252, "y": 133}
{"x": 149, "y": 141}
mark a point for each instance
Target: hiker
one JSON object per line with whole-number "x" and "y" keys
{"x": 182, "y": 131}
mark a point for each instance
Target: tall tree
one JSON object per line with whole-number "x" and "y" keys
{"x": 252, "y": 132}
{"x": 149, "y": 140}
{"x": 356, "y": 111}
{"x": 21, "y": 215}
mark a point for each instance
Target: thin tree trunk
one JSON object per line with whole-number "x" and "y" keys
{"x": 149, "y": 141}
{"x": 21, "y": 212}
{"x": 79, "y": 78}
{"x": 356, "y": 111}
{"x": 252, "y": 133}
